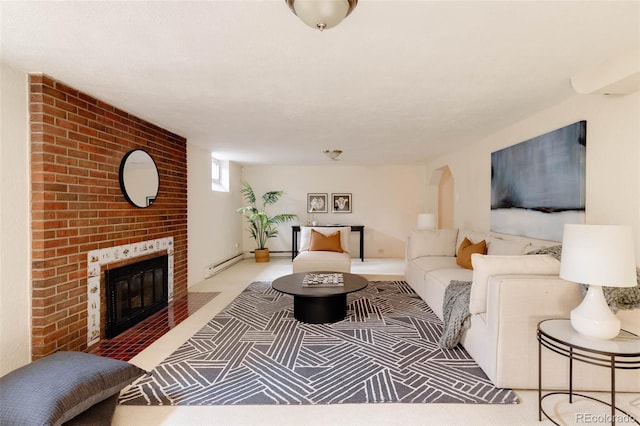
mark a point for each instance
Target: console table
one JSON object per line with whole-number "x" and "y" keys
{"x": 622, "y": 352}
{"x": 354, "y": 228}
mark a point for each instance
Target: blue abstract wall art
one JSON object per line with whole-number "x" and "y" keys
{"x": 539, "y": 185}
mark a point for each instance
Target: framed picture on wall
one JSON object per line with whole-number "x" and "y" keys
{"x": 317, "y": 203}
{"x": 540, "y": 184}
{"x": 341, "y": 203}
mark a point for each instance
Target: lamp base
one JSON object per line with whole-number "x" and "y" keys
{"x": 593, "y": 318}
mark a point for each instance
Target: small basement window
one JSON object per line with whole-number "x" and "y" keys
{"x": 219, "y": 174}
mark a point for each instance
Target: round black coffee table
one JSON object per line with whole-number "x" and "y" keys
{"x": 319, "y": 305}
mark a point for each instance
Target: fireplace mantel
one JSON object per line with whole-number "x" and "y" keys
{"x": 97, "y": 260}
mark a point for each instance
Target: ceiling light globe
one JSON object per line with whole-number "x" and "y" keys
{"x": 332, "y": 154}
{"x": 322, "y": 14}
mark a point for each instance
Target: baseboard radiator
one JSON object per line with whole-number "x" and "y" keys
{"x": 221, "y": 266}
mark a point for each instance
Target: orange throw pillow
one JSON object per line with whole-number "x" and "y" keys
{"x": 321, "y": 242}
{"x": 467, "y": 249}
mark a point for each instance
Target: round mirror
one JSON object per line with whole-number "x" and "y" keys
{"x": 139, "y": 179}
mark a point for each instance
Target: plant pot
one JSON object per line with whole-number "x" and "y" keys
{"x": 262, "y": 255}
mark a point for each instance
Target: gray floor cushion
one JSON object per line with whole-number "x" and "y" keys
{"x": 57, "y": 388}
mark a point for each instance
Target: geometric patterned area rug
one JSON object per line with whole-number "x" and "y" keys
{"x": 256, "y": 352}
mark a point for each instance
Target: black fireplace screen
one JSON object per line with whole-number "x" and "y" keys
{"x": 134, "y": 292}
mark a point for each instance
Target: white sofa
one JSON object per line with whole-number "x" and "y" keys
{"x": 510, "y": 293}
{"x": 308, "y": 261}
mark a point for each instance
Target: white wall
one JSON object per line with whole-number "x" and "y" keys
{"x": 15, "y": 248}
{"x": 613, "y": 159}
{"x": 214, "y": 229}
{"x": 385, "y": 199}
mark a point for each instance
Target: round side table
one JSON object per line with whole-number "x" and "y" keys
{"x": 621, "y": 352}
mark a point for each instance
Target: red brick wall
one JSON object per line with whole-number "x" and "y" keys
{"x": 77, "y": 143}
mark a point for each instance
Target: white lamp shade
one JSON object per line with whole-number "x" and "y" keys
{"x": 598, "y": 254}
{"x": 426, "y": 221}
{"x": 321, "y": 14}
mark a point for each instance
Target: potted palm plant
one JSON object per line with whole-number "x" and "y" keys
{"x": 261, "y": 225}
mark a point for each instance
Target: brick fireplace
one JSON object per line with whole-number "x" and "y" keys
{"x": 78, "y": 210}
{"x": 101, "y": 260}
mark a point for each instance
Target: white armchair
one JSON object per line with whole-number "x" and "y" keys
{"x": 323, "y": 260}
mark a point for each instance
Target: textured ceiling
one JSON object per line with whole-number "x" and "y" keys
{"x": 397, "y": 82}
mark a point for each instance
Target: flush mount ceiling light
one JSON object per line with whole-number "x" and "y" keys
{"x": 332, "y": 154}
{"x": 322, "y": 14}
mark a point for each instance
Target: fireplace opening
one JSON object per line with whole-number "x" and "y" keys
{"x": 134, "y": 292}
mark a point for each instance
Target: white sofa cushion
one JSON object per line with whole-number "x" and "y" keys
{"x": 500, "y": 247}
{"x": 310, "y": 261}
{"x": 305, "y": 236}
{"x": 430, "y": 263}
{"x": 431, "y": 242}
{"x": 436, "y": 283}
{"x": 445, "y": 276}
{"x": 485, "y": 266}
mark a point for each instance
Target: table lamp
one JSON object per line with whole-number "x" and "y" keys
{"x": 426, "y": 221}
{"x": 597, "y": 255}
